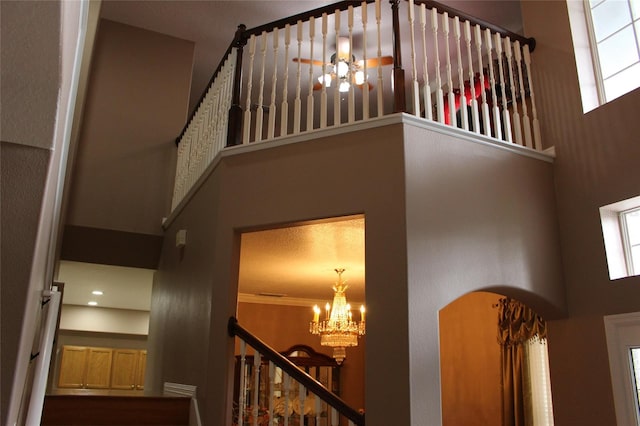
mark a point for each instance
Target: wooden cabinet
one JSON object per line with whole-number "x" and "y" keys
{"x": 83, "y": 367}
{"x": 128, "y": 369}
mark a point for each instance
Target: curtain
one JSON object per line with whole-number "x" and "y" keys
{"x": 516, "y": 325}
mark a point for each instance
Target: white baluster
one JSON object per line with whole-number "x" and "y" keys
{"x": 297, "y": 103}
{"x": 323, "y": 93}
{"x": 426, "y": 89}
{"x": 272, "y": 390}
{"x": 274, "y": 80}
{"x": 334, "y": 417}
{"x": 505, "y": 112}
{"x": 526, "y": 123}
{"x": 351, "y": 94}
{"x": 463, "y": 97}
{"x": 415, "y": 88}
{"x": 260, "y": 109}
{"x": 537, "y": 136}
{"x": 350, "y": 423}
{"x": 302, "y": 393}
{"x": 365, "y": 85}
{"x": 247, "y": 111}
{"x": 312, "y": 33}
{"x": 486, "y": 119}
{"x": 284, "y": 109}
{"x": 318, "y": 408}
{"x": 439, "y": 93}
{"x": 256, "y": 386}
{"x": 475, "y": 118}
{"x": 451, "y": 95}
{"x": 517, "y": 129}
{"x": 243, "y": 381}
{"x": 379, "y": 93}
{"x": 497, "y": 126}
{"x": 286, "y": 383}
{"x": 337, "y": 120}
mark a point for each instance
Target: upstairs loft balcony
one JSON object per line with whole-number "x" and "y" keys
{"x": 356, "y": 62}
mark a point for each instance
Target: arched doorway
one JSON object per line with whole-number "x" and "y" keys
{"x": 477, "y": 371}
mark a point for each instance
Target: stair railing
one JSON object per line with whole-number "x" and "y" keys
{"x": 299, "y": 396}
{"x": 292, "y": 76}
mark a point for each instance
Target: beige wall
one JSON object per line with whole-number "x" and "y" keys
{"x": 195, "y": 290}
{"x": 470, "y": 361}
{"x": 597, "y": 164}
{"x": 283, "y": 326}
{"x": 451, "y": 186}
{"x": 478, "y": 218}
{"x": 135, "y": 108}
{"x": 104, "y": 320}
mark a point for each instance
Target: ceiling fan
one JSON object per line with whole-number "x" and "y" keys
{"x": 344, "y": 70}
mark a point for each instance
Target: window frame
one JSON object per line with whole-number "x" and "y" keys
{"x": 595, "y": 56}
{"x": 626, "y": 241}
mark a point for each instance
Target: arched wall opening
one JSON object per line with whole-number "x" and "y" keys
{"x": 471, "y": 364}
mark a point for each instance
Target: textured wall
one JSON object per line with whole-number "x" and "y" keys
{"x": 597, "y": 164}
{"x": 501, "y": 201}
{"x": 135, "y": 108}
{"x": 478, "y": 218}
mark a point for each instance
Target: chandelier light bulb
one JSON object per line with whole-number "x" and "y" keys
{"x": 342, "y": 68}
{"x": 359, "y": 78}
{"x": 344, "y": 86}
{"x": 338, "y": 330}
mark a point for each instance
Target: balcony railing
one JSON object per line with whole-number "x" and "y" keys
{"x": 335, "y": 66}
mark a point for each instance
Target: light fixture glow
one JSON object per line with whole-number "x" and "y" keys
{"x": 92, "y": 303}
{"x": 359, "y": 78}
{"x": 97, "y": 292}
{"x": 325, "y": 79}
{"x": 342, "y": 68}
{"x": 338, "y": 330}
{"x": 344, "y": 86}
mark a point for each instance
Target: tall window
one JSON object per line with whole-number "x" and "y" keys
{"x": 614, "y": 30}
{"x": 630, "y": 224}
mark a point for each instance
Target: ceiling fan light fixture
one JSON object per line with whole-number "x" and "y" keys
{"x": 325, "y": 80}
{"x": 344, "y": 86}
{"x": 359, "y": 78}
{"x": 342, "y": 69}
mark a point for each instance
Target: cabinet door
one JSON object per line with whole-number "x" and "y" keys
{"x": 98, "y": 368}
{"x": 125, "y": 365}
{"x": 73, "y": 367}
{"x": 142, "y": 365}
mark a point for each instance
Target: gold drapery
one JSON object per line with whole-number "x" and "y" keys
{"x": 516, "y": 325}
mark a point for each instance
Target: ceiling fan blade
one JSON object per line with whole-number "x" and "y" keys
{"x": 308, "y": 61}
{"x": 367, "y": 84}
{"x": 374, "y": 62}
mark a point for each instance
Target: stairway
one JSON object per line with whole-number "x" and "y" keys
{"x": 97, "y": 410}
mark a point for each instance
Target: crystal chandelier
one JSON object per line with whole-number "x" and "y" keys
{"x": 338, "y": 330}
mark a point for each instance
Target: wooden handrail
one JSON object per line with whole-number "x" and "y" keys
{"x": 293, "y": 371}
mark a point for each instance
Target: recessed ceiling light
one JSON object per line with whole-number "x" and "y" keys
{"x": 92, "y": 303}
{"x": 97, "y": 292}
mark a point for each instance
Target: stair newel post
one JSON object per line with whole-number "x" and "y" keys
{"x": 234, "y": 132}
{"x": 399, "y": 99}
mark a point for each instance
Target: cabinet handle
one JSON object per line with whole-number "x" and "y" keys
{"x": 133, "y": 386}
